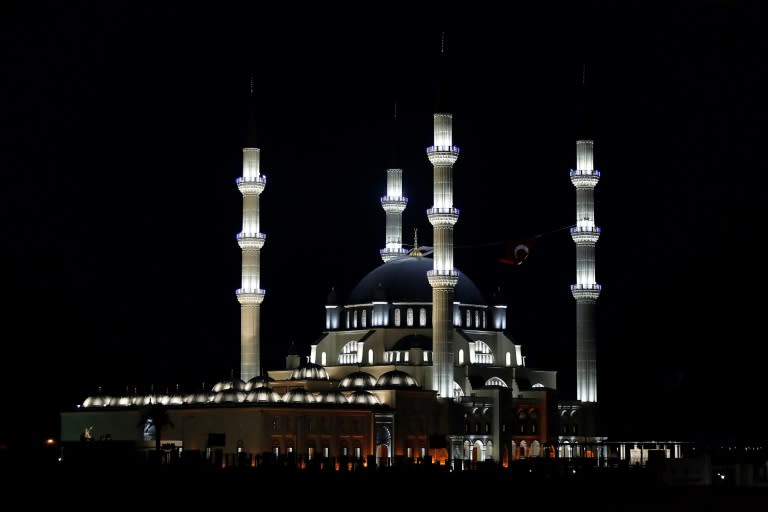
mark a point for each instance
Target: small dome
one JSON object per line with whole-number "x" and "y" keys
{"x": 332, "y": 397}
{"x": 298, "y": 395}
{"x": 259, "y": 381}
{"x": 358, "y": 379}
{"x": 235, "y": 384}
{"x": 310, "y": 371}
{"x": 229, "y": 396}
{"x": 263, "y": 394}
{"x": 396, "y": 379}
{"x": 362, "y": 397}
{"x": 199, "y": 397}
{"x": 99, "y": 400}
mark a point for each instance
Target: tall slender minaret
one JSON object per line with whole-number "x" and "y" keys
{"x": 394, "y": 203}
{"x": 443, "y": 216}
{"x": 585, "y": 235}
{"x": 251, "y": 240}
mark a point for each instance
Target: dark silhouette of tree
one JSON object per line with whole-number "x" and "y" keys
{"x": 155, "y": 414}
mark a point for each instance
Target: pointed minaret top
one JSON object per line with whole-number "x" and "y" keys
{"x": 584, "y": 121}
{"x": 415, "y": 251}
{"x": 443, "y": 104}
{"x": 394, "y": 157}
{"x": 251, "y": 136}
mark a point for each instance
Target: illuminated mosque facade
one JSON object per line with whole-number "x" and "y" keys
{"x": 414, "y": 364}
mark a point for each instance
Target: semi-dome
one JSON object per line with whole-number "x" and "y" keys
{"x": 358, "y": 379}
{"x": 413, "y": 341}
{"x": 396, "y": 379}
{"x": 405, "y": 280}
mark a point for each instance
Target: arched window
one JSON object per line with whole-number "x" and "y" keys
{"x": 323, "y": 357}
{"x": 469, "y": 319}
{"x": 461, "y": 356}
{"x": 477, "y": 318}
{"x": 483, "y": 354}
{"x": 508, "y": 359}
{"x": 370, "y": 356}
{"x": 364, "y": 318}
{"x": 397, "y": 317}
{"x": 354, "y": 320}
{"x": 349, "y": 352}
{"x": 347, "y": 319}
{"x": 409, "y": 317}
{"x": 423, "y": 317}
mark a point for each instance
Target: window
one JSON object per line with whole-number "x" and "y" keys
{"x": 469, "y": 319}
{"x": 423, "y": 317}
{"x": 397, "y": 317}
{"x": 364, "y": 320}
{"x": 409, "y": 317}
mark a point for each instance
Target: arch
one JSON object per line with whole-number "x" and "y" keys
{"x": 536, "y": 449}
{"x": 495, "y": 381}
{"x": 483, "y": 353}
{"x": 457, "y": 391}
{"x": 349, "y": 353}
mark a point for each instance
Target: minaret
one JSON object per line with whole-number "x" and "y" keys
{"x": 443, "y": 216}
{"x": 394, "y": 204}
{"x": 585, "y": 235}
{"x": 251, "y": 240}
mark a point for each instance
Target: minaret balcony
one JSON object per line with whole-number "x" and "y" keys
{"x": 394, "y": 204}
{"x": 585, "y": 235}
{"x": 585, "y": 291}
{"x": 249, "y": 297}
{"x": 251, "y": 184}
{"x": 443, "y": 216}
{"x": 585, "y": 179}
{"x": 391, "y": 254}
{"x": 443, "y": 155}
{"x": 442, "y": 278}
{"x": 251, "y": 240}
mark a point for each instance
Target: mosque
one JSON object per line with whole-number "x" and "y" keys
{"x": 415, "y": 365}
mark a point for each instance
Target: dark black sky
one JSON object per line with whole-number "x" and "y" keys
{"x": 124, "y": 131}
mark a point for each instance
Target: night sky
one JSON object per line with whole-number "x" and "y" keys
{"x": 124, "y": 128}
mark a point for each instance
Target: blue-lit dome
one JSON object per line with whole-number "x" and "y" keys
{"x": 405, "y": 280}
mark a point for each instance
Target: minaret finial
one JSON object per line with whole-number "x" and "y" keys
{"x": 442, "y": 43}
{"x": 253, "y": 85}
{"x": 415, "y": 251}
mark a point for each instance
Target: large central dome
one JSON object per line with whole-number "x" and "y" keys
{"x": 405, "y": 280}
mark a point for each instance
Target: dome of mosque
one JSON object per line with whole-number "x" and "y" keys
{"x": 396, "y": 379}
{"x": 358, "y": 379}
{"x": 405, "y": 280}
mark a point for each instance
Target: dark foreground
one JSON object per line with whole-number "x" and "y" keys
{"x": 627, "y": 489}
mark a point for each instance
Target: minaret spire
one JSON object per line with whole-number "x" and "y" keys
{"x": 443, "y": 216}
{"x": 251, "y": 240}
{"x": 394, "y": 203}
{"x": 585, "y": 235}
